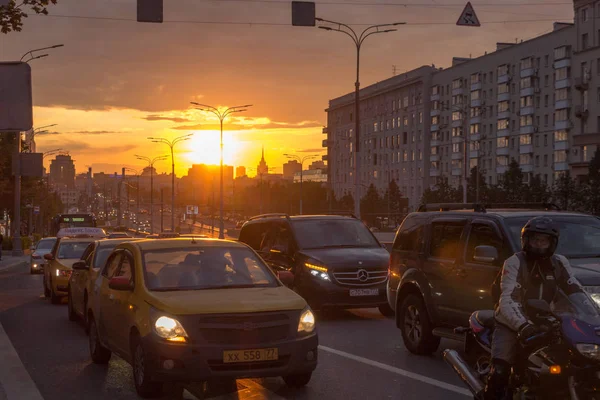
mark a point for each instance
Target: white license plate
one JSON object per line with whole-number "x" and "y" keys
{"x": 364, "y": 292}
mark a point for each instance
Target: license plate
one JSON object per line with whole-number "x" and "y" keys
{"x": 364, "y": 292}
{"x": 240, "y": 356}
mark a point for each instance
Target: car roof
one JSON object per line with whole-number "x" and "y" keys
{"x": 506, "y": 213}
{"x": 267, "y": 217}
{"x": 114, "y": 242}
{"x": 79, "y": 240}
{"x": 48, "y": 238}
{"x": 175, "y": 243}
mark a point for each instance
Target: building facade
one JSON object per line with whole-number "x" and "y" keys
{"x": 62, "y": 172}
{"x": 240, "y": 171}
{"x": 290, "y": 168}
{"x": 311, "y": 175}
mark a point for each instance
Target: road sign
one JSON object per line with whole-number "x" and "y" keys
{"x": 303, "y": 13}
{"x": 16, "y": 109}
{"x": 191, "y": 210}
{"x": 36, "y": 209}
{"x": 150, "y": 11}
{"x": 468, "y": 17}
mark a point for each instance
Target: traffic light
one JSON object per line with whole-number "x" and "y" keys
{"x": 303, "y": 13}
{"x": 150, "y": 11}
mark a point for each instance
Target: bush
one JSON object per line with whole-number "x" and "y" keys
{"x": 25, "y": 243}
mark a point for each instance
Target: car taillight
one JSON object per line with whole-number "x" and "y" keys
{"x": 63, "y": 272}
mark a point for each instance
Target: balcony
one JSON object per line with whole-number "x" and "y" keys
{"x": 434, "y": 157}
{"x": 457, "y": 156}
{"x": 500, "y": 169}
{"x": 561, "y": 166}
{"x": 434, "y": 112}
{"x": 476, "y": 103}
{"x": 458, "y": 91}
{"x": 503, "y": 78}
{"x": 504, "y": 114}
{"x": 435, "y": 142}
{"x": 457, "y": 123}
{"x": 475, "y": 137}
{"x": 324, "y": 157}
{"x": 474, "y": 154}
{"x": 456, "y": 171}
{"x": 503, "y": 96}
{"x": 457, "y": 139}
{"x": 581, "y": 112}
{"x": 324, "y": 143}
{"x": 503, "y": 133}
{"x": 560, "y": 104}
{"x": 476, "y": 86}
{"x": 563, "y": 83}
{"x": 527, "y": 168}
{"x": 581, "y": 83}
{"x": 527, "y": 72}
{"x": 435, "y": 97}
{"x": 525, "y": 149}
{"x": 564, "y": 145}
{"x": 434, "y": 128}
{"x": 526, "y": 130}
{"x": 529, "y": 110}
{"x": 528, "y": 91}
{"x": 558, "y": 125}
{"x": 325, "y": 129}
{"x": 502, "y": 151}
{"x": 565, "y": 62}
{"x": 475, "y": 120}
{"x": 434, "y": 172}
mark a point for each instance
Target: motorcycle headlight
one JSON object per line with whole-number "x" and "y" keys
{"x": 317, "y": 269}
{"x": 170, "y": 329}
{"x": 594, "y": 292}
{"x": 589, "y": 350}
{"x": 307, "y": 322}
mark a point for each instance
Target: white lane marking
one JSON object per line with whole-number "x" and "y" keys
{"x": 398, "y": 371}
{"x": 14, "y": 378}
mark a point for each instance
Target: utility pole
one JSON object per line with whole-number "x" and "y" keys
{"x": 105, "y": 204}
{"x": 162, "y": 208}
{"x": 16, "y": 223}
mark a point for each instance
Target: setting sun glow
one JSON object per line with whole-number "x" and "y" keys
{"x": 203, "y": 148}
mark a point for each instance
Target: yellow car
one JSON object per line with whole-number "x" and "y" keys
{"x": 58, "y": 269}
{"x": 188, "y": 310}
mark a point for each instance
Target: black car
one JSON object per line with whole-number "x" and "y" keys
{"x": 445, "y": 258}
{"x": 336, "y": 260}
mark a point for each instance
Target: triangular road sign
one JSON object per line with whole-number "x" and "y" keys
{"x": 468, "y": 17}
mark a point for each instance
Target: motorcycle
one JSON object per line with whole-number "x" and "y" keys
{"x": 563, "y": 362}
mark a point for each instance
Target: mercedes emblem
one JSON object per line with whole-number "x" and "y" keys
{"x": 362, "y": 275}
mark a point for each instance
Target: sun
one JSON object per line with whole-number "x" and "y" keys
{"x": 204, "y": 148}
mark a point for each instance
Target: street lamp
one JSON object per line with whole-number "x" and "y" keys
{"x": 151, "y": 162}
{"x": 38, "y": 131}
{"x": 301, "y": 160}
{"x": 33, "y": 57}
{"x": 221, "y": 114}
{"x": 138, "y": 174}
{"x": 171, "y": 144}
{"x": 50, "y": 153}
{"x": 358, "y": 40}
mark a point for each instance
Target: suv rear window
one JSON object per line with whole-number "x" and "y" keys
{"x": 445, "y": 239}
{"x": 323, "y": 233}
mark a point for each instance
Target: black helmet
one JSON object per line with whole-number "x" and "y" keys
{"x": 544, "y": 226}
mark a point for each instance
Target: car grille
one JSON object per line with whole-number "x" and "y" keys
{"x": 247, "y": 329}
{"x": 360, "y": 276}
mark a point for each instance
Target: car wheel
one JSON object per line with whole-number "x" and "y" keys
{"x": 70, "y": 311}
{"x": 144, "y": 385}
{"x": 386, "y": 310}
{"x": 416, "y": 327}
{"x": 297, "y": 380}
{"x": 98, "y": 353}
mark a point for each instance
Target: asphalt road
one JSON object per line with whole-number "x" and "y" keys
{"x": 361, "y": 356}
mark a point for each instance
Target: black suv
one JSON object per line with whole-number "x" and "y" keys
{"x": 336, "y": 260}
{"x": 445, "y": 258}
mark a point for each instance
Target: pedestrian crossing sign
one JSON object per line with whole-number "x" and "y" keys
{"x": 468, "y": 17}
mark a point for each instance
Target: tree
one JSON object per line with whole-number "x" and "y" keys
{"x": 511, "y": 183}
{"x": 568, "y": 193}
{"x": 442, "y": 192}
{"x": 369, "y": 205}
{"x": 346, "y": 202}
{"x": 538, "y": 191}
{"x": 472, "y": 186}
{"x": 11, "y": 15}
{"x": 593, "y": 194}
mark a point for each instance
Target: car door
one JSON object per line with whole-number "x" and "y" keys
{"x": 79, "y": 279}
{"x": 442, "y": 259}
{"x": 106, "y": 320}
{"x": 476, "y": 277}
{"x": 122, "y": 310}
{"x": 279, "y": 247}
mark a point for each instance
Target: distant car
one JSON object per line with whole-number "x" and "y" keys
{"x": 118, "y": 235}
{"x": 36, "y": 260}
{"x": 189, "y": 311}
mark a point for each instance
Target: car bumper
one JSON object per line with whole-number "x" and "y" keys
{"x": 199, "y": 362}
{"x": 36, "y": 265}
{"x": 60, "y": 285}
{"x": 320, "y": 293}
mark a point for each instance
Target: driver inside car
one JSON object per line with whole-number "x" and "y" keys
{"x": 533, "y": 273}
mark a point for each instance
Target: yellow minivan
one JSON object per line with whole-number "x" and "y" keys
{"x": 189, "y": 310}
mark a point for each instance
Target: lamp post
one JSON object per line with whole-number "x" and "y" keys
{"x": 138, "y": 174}
{"x": 33, "y": 57}
{"x": 301, "y": 160}
{"x": 171, "y": 144}
{"x": 221, "y": 115}
{"x": 151, "y": 162}
{"x": 358, "y": 40}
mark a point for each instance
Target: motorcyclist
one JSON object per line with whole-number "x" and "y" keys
{"x": 533, "y": 273}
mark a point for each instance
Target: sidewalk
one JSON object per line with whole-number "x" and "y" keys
{"x": 9, "y": 261}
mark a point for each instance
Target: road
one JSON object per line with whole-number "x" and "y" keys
{"x": 361, "y": 356}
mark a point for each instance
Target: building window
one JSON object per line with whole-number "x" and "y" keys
{"x": 435, "y": 90}
{"x": 456, "y": 116}
{"x": 560, "y": 136}
{"x": 584, "y": 41}
{"x": 546, "y": 100}
{"x": 526, "y": 63}
{"x": 420, "y": 155}
{"x": 474, "y": 78}
{"x": 405, "y": 156}
{"x": 524, "y": 140}
{"x": 546, "y": 80}
{"x": 560, "y": 156}
{"x": 457, "y": 132}
{"x": 545, "y": 160}
{"x": 561, "y": 94}
{"x": 537, "y": 161}
{"x": 475, "y": 94}
{"x": 546, "y": 60}
{"x": 502, "y": 161}
{"x": 546, "y": 120}
{"x": 561, "y": 115}
{"x": 405, "y": 138}
{"x": 585, "y": 154}
{"x": 503, "y": 106}
{"x": 525, "y": 159}
{"x": 405, "y": 121}
{"x": 475, "y": 128}
{"x": 457, "y": 84}
{"x": 561, "y": 52}
{"x": 503, "y": 124}
{"x": 561, "y": 73}
{"x": 584, "y": 15}
{"x": 526, "y": 101}
{"x": 526, "y": 83}
{"x": 502, "y": 142}
{"x": 420, "y": 117}
{"x": 502, "y": 70}
{"x": 503, "y": 88}
{"x": 456, "y": 147}
{"x": 375, "y": 127}
{"x": 412, "y": 155}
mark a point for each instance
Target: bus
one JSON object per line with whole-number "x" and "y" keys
{"x": 72, "y": 221}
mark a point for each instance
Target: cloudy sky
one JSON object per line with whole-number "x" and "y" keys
{"x": 117, "y": 81}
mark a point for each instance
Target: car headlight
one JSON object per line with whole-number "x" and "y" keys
{"x": 589, "y": 350}
{"x": 594, "y": 292}
{"x": 170, "y": 329}
{"x": 317, "y": 269}
{"x": 307, "y": 321}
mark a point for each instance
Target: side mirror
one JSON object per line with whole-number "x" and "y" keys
{"x": 538, "y": 306}
{"x": 286, "y": 277}
{"x": 120, "y": 283}
{"x": 48, "y": 257}
{"x": 80, "y": 266}
{"x": 485, "y": 254}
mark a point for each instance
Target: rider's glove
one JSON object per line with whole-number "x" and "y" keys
{"x": 528, "y": 331}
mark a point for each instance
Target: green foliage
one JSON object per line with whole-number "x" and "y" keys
{"x": 442, "y": 192}
{"x": 12, "y": 15}
{"x": 511, "y": 183}
{"x": 370, "y": 205}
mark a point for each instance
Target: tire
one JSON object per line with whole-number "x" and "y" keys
{"x": 386, "y": 310}
{"x": 297, "y": 380}
{"x": 70, "y": 311}
{"x": 416, "y": 327}
{"x": 98, "y": 353}
{"x": 144, "y": 385}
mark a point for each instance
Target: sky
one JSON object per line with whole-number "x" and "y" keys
{"x": 117, "y": 82}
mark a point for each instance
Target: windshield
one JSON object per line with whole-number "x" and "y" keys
{"x": 323, "y": 233}
{"x": 205, "y": 268}
{"x": 579, "y": 236}
{"x": 577, "y": 305}
{"x": 45, "y": 244}
{"x": 70, "y": 250}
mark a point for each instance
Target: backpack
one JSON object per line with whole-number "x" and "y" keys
{"x": 496, "y": 290}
